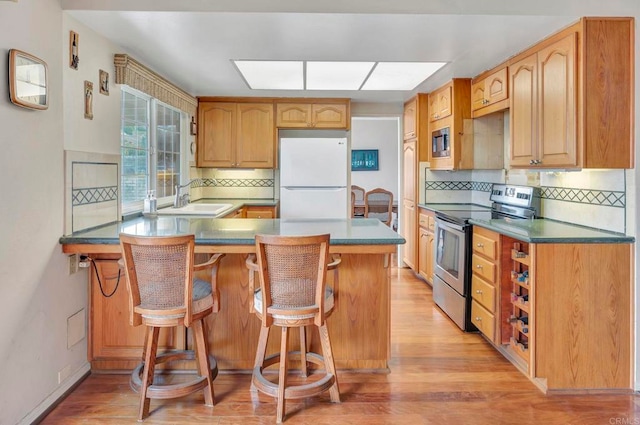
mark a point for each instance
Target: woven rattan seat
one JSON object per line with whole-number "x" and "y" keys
{"x": 164, "y": 293}
{"x": 378, "y": 203}
{"x": 292, "y": 271}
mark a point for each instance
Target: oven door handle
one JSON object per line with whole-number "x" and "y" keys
{"x": 445, "y": 223}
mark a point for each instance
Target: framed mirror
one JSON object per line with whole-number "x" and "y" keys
{"x": 27, "y": 80}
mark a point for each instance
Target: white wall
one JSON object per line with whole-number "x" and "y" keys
{"x": 380, "y": 133}
{"x": 36, "y": 294}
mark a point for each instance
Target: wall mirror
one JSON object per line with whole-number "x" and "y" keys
{"x": 27, "y": 80}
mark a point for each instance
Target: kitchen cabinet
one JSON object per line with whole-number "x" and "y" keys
{"x": 236, "y": 135}
{"x": 440, "y": 103}
{"x": 113, "y": 342}
{"x": 333, "y": 114}
{"x": 490, "y": 92}
{"x": 426, "y": 244}
{"x": 410, "y": 119}
{"x": 485, "y": 266}
{"x": 255, "y": 211}
{"x": 571, "y": 98}
{"x": 409, "y": 196}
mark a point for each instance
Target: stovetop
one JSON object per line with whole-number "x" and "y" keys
{"x": 463, "y": 216}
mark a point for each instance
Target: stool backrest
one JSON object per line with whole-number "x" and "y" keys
{"x": 159, "y": 271}
{"x": 292, "y": 272}
{"x": 378, "y": 203}
{"x": 358, "y": 192}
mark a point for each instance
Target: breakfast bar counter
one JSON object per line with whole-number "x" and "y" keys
{"x": 359, "y": 326}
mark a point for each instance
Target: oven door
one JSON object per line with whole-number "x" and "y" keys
{"x": 450, "y": 254}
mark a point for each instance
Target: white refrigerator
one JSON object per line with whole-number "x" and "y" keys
{"x": 313, "y": 176}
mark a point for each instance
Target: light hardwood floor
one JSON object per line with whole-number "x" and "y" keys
{"x": 439, "y": 375}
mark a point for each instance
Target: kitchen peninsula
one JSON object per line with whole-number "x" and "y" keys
{"x": 359, "y": 326}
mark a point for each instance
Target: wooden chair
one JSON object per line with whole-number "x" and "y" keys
{"x": 164, "y": 293}
{"x": 292, "y": 272}
{"x": 378, "y": 203}
{"x": 357, "y": 196}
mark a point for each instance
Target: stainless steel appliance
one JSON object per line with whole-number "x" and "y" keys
{"x": 452, "y": 281}
{"x": 440, "y": 143}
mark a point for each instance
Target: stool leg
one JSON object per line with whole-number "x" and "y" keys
{"x": 282, "y": 376}
{"x": 151, "y": 345}
{"x": 303, "y": 351}
{"x": 329, "y": 365}
{"x": 262, "y": 349}
{"x": 202, "y": 354}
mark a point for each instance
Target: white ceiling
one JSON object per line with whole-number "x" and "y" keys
{"x": 192, "y": 42}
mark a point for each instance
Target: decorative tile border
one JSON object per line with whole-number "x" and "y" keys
{"x": 93, "y": 195}
{"x": 207, "y": 182}
{"x": 607, "y": 198}
{"x": 445, "y": 185}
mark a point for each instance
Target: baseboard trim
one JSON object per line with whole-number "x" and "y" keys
{"x": 48, "y": 404}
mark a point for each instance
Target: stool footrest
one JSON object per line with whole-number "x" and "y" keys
{"x": 165, "y": 391}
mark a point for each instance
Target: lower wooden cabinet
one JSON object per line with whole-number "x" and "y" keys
{"x": 113, "y": 343}
{"x": 485, "y": 278}
{"x": 260, "y": 212}
{"x": 426, "y": 244}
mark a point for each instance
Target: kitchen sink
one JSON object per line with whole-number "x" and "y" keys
{"x": 196, "y": 209}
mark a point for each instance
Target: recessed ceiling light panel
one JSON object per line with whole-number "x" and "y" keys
{"x": 272, "y": 75}
{"x": 400, "y": 75}
{"x": 337, "y": 75}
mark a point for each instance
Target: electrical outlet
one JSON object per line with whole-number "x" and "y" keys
{"x": 73, "y": 263}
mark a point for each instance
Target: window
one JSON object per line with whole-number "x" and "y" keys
{"x": 151, "y": 135}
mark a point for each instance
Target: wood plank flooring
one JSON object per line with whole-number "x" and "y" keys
{"x": 439, "y": 375}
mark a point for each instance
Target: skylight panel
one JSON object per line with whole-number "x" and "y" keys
{"x": 272, "y": 75}
{"x": 337, "y": 75}
{"x": 400, "y": 75}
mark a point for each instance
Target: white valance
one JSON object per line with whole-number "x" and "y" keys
{"x": 132, "y": 73}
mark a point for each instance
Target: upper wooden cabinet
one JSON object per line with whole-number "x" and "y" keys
{"x": 490, "y": 92}
{"x": 571, "y": 99}
{"x": 307, "y": 113}
{"x": 410, "y": 119}
{"x": 441, "y": 103}
{"x": 236, "y": 135}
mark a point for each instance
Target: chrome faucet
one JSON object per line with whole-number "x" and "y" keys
{"x": 182, "y": 199}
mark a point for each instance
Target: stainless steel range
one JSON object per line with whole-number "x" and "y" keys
{"x": 452, "y": 282}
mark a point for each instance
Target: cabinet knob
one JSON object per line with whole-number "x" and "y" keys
{"x": 480, "y": 245}
{"x": 478, "y": 266}
{"x": 478, "y": 291}
{"x": 478, "y": 319}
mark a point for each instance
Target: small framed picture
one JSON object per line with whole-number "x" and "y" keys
{"x": 74, "y": 44}
{"x": 27, "y": 80}
{"x": 364, "y": 160}
{"x": 88, "y": 100}
{"x": 104, "y": 82}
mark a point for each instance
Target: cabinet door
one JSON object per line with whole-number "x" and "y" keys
{"x": 409, "y": 175}
{"x": 293, "y": 115}
{"x": 216, "y": 134}
{"x": 423, "y": 252}
{"x": 478, "y": 98}
{"x": 557, "y": 106}
{"x": 409, "y": 233}
{"x": 523, "y": 111}
{"x": 496, "y": 87}
{"x": 409, "y": 120}
{"x": 440, "y": 103}
{"x": 329, "y": 116}
{"x": 260, "y": 212}
{"x": 113, "y": 339}
{"x": 255, "y": 136}
{"x": 431, "y": 251}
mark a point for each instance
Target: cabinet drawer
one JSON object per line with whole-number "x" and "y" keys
{"x": 483, "y": 292}
{"x": 485, "y": 246}
{"x": 484, "y": 268}
{"x": 428, "y": 222}
{"x": 484, "y": 321}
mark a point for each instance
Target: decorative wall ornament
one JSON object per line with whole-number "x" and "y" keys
{"x": 104, "y": 82}
{"x": 132, "y": 73}
{"x": 88, "y": 100}
{"x": 74, "y": 45}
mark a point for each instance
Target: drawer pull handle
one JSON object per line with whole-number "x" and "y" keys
{"x": 478, "y": 291}
{"x": 480, "y": 245}
{"x": 478, "y": 319}
{"x": 478, "y": 266}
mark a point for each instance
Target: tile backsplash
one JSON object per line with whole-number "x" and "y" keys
{"x": 91, "y": 190}
{"x": 593, "y": 198}
{"x": 233, "y": 184}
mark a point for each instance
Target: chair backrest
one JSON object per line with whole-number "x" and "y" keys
{"x": 159, "y": 271}
{"x": 292, "y": 272}
{"x": 358, "y": 192}
{"x": 378, "y": 203}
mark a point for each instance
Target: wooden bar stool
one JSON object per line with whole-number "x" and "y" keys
{"x": 292, "y": 272}
{"x": 163, "y": 293}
